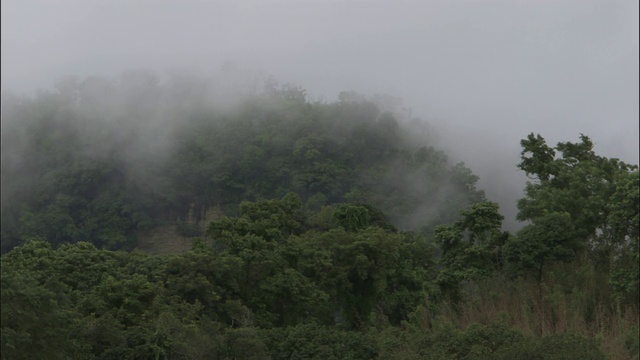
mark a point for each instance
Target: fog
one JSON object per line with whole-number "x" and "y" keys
{"x": 484, "y": 73}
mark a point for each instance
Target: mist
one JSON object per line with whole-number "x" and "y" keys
{"x": 484, "y": 74}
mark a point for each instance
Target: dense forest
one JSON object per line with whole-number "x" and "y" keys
{"x": 185, "y": 218}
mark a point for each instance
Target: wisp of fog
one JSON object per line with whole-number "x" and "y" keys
{"x": 482, "y": 74}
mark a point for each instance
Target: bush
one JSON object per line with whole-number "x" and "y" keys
{"x": 311, "y": 341}
{"x": 565, "y": 346}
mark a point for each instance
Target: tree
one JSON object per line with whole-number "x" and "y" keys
{"x": 471, "y": 247}
{"x": 580, "y": 184}
{"x": 624, "y": 220}
{"x": 551, "y": 238}
{"x": 35, "y": 325}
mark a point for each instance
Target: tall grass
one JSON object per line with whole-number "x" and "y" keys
{"x": 571, "y": 298}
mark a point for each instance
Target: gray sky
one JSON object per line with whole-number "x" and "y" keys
{"x": 488, "y": 72}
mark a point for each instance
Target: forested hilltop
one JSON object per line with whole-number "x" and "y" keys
{"x": 99, "y": 160}
{"x": 302, "y": 230}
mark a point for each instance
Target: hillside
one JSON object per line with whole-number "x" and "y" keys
{"x": 166, "y": 220}
{"x": 100, "y": 160}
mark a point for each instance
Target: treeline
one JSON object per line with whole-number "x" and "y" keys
{"x": 343, "y": 237}
{"x": 341, "y": 284}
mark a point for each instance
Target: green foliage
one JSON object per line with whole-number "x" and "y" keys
{"x": 471, "y": 247}
{"x": 117, "y": 304}
{"x": 188, "y": 230}
{"x": 93, "y": 161}
{"x": 537, "y": 158}
{"x": 97, "y": 298}
{"x": 582, "y": 185}
{"x": 582, "y": 203}
{"x": 551, "y": 238}
{"x": 274, "y": 286}
{"x": 375, "y": 272}
{"x": 290, "y": 272}
{"x": 312, "y": 259}
{"x": 312, "y": 341}
{"x": 476, "y": 342}
{"x": 352, "y": 218}
{"x": 554, "y": 347}
{"x": 493, "y": 341}
{"x": 244, "y": 343}
{"x": 632, "y": 343}
{"x": 35, "y": 321}
{"x": 624, "y": 220}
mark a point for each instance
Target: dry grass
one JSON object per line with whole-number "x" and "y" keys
{"x": 571, "y": 298}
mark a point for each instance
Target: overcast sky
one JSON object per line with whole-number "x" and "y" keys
{"x": 490, "y": 72}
